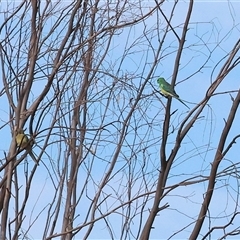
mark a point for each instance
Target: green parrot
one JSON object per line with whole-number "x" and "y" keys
{"x": 167, "y": 90}
{"x": 23, "y": 143}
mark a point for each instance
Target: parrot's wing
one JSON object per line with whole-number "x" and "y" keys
{"x": 168, "y": 90}
{"x": 22, "y": 140}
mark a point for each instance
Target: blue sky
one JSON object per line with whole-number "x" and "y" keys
{"x": 212, "y": 22}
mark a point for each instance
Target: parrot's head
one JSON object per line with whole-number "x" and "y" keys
{"x": 20, "y": 131}
{"x": 160, "y": 81}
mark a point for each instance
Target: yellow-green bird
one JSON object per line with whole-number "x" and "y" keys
{"x": 22, "y": 142}
{"x": 167, "y": 90}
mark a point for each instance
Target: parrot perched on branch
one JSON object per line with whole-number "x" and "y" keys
{"x": 168, "y": 91}
{"x": 23, "y": 142}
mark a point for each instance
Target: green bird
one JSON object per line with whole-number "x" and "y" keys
{"x": 24, "y": 143}
{"x": 167, "y": 90}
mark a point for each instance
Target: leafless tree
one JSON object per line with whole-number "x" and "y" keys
{"x": 116, "y": 159}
